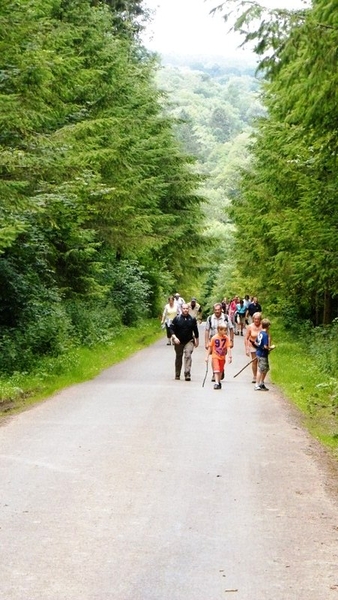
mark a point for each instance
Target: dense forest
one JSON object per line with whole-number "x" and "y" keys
{"x": 97, "y": 198}
{"x": 285, "y": 209}
{"x": 123, "y": 179}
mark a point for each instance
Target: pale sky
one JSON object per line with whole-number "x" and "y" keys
{"x": 185, "y": 26}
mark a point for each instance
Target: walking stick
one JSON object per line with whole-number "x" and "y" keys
{"x": 251, "y": 361}
{"x": 206, "y": 373}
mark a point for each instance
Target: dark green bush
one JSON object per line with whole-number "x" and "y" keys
{"x": 130, "y": 291}
{"x": 323, "y": 344}
{"x": 48, "y": 332}
{"x": 93, "y": 322}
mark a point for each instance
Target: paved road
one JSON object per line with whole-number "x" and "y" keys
{"x": 135, "y": 486}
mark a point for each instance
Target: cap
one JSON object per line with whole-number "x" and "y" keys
{"x": 194, "y": 299}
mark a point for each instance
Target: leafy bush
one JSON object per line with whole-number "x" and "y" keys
{"x": 93, "y": 322}
{"x": 47, "y": 332}
{"x": 130, "y": 291}
{"x": 323, "y": 344}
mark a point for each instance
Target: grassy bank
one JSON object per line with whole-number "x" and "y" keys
{"x": 79, "y": 364}
{"x": 297, "y": 368}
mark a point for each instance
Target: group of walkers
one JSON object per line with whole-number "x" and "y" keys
{"x": 228, "y": 319}
{"x": 174, "y": 308}
{"x": 241, "y": 311}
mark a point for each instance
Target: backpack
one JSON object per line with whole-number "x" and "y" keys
{"x": 226, "y": 318}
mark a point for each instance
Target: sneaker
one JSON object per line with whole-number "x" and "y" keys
{"x": 217, "y": 386}
{"x": 177, "y": 376}
{"x": 187, "y": 377}
{"x": 169, "y": 343}
{"x": 222, "y": 375}
{"x": 258, "y": 388}
{"x": 253, "y": 381}
{"x": 263, "y": 387}
{"x": 213, "y": 378}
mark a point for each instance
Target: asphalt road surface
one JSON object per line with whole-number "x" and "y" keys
{"x": 134, "y": 486}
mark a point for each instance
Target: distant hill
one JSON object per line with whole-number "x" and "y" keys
{"x": 214, "y": 65}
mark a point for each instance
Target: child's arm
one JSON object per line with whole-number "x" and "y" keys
{"x": 209, "y": 351}
{"x": 269, "y": 346}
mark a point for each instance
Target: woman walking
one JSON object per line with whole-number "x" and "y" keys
{"x": 169, "y": 313}
{"x": 252, "y": 332}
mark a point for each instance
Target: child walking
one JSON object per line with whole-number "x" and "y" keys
{"x": 263, "y": 347}
{"x": 219, "y": 347}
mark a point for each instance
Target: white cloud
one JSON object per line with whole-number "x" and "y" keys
{"x": 186, "y": 26}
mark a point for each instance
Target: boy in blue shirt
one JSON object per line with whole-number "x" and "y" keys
{"x": 263, "y": 347}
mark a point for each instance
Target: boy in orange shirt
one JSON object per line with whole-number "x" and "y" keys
{"x": 219, "y": 348}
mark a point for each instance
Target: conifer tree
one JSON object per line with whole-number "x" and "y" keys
{"x": 90, "y": 172}
{"x": 288, "y": 203}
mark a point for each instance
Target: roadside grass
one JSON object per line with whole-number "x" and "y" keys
{"x": 295, "y": 369}
{"x": 22, "y": 390}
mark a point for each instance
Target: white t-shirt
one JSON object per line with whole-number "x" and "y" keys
{"x": 169, "y": 313}
{"x": 213, "y": 322}
{"x": 179, "y": 301}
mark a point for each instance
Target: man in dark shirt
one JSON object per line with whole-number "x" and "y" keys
{"x": 253, "y": 307}
{"x": 185, "y": 336}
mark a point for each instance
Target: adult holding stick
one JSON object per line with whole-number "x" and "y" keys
{"x": 251, "y": 335}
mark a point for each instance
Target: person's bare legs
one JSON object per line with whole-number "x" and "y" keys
{"x": 260, "y": 379}
{"x": 217, "y": 368}
{"x": 217, "y": 377}
{"x": 254, "y": 366}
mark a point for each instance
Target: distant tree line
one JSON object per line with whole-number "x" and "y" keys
{"x": 215, "y": 109}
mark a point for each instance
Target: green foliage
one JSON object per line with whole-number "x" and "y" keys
{"x": 90, "y": 173}
{"x": 46, "y": 331}
{"x": 214, "y": 115}
{"x": 93, "y": 321}
{"x": 323, "y": 347}
{"x": 304, "y": 365}
{"x": 288, "y": 197}
{"x": 128, "y": 15}
{"x": 130, "y": 292}
{"x": 267, "y": 29}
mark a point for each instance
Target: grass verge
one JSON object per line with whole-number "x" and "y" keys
{"x": 295, "y": 370}
{"x": 22, "y": 390}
